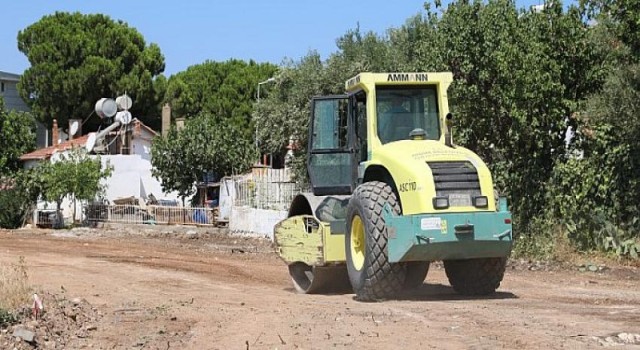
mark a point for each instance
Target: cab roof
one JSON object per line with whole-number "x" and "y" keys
{"x": 399, "y": 79}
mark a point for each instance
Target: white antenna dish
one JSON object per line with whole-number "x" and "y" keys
{"x": 73, "y": 127}
{"x": 106, "y": 108}
{"x": 124, "y": 117}
{"x": 91, "y": 142}
{"x": 124, "y": 102}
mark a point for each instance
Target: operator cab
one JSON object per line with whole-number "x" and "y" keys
{"x": 378, "y": 109}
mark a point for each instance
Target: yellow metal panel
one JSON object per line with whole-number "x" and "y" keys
{"x": 407, "y": 160}
{"x": 297, "y": 242}
{"x": 333, "y": 246}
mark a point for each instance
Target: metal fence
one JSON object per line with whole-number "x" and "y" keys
{"x": 46, "y": 218}
{"x": 272, "y": 190}
{"x": 150, "y": 214}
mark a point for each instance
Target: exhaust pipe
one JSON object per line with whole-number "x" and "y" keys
{"x": 448, "y": 132}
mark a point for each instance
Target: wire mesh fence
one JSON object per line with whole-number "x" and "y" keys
{"x": 271, "y": 190}
{"x": 150, "y": 214}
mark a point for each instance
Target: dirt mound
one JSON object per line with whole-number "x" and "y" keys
{"x": 65, "y": 323}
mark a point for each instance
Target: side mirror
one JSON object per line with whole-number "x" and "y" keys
{"x": 448, "y": 132}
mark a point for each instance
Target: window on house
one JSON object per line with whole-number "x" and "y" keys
{"x": 1, "y": 87}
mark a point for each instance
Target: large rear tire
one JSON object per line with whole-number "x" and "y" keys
{"x": 319, "y": 279}
{"x": 371, "y": 274}
{"x": 475, "y": 276}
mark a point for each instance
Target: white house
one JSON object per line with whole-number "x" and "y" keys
{"x": 128, "y": 151}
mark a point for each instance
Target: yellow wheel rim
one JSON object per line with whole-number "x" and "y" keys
{"x": 357, "y": 243}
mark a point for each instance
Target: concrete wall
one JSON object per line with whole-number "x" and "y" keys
{"x": 142, "y": 148}
{"x": 227, "y": 196}
{"x": 132, "y": 177}
{"x": 255, "y": 222}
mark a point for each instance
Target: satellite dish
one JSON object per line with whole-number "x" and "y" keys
{"x": 55, "y": 156}
{"x": 73, "y": 127}
{"x": 124, "y": 117}
{"x": 91, "y": 141}
{"x": 124, "y": 102}
{"x": 106, "y": 108}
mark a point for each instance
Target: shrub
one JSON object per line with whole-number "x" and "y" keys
{"x": 14, "y": 287}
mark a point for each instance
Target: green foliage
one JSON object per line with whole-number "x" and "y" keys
{"x": 76, "y": 175}
{"x": 283, "y": 112}
{"x": 18, "y": 196}
{"x": 223, "y": 90}
{"x": 519, "y": 76}
{"x": 623, "y": 17}
{"x": 203, "y": 146}
{"x": 77, "y": 59}
{"x": 17, "y": 137}
{"x": 596, "y": 194}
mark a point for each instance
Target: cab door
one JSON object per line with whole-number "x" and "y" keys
{"x": 330, "y": 157}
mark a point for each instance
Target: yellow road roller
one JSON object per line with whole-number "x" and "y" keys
{"x": 390, "y": 193}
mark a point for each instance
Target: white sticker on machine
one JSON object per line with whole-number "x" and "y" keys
{"x": 428, "y": 224}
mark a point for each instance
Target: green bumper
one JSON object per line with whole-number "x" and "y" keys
{"x": 430, "y": 237}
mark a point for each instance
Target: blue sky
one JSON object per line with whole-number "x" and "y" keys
{"x": 190, "y": 32}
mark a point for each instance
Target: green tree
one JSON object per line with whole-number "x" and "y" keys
{"x": 622, "y": 16}
{"x": 17, "y": 137}
{"x": 520, "y": 76}
{"x": 75, "y": 175}
{"x": 203, "y": 146}
{"x": 224, "y": 90}
{"x": 77, "y": 59}
{"x": 18, "y": 195}
{"x": 595, "y": 194}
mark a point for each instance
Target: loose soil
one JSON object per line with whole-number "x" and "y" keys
{"x": 184, "y": 288}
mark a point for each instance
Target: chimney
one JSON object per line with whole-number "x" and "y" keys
{"x": 166, "y": 119}
{"x": 55, "y": 138}
{"x": 179, "y": 124}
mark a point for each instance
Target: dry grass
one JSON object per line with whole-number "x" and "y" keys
{"x": 14, "y": 285}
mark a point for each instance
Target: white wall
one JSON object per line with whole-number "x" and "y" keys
{"x": 132, "y": 177}
{"x": 141, "y": 147}
{"x": 255, "y": 222}
{"x": 227, "y": 196}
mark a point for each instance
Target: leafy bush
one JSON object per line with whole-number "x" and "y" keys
{"x": 13, "y": 207}
{"x": 17, "y": 197}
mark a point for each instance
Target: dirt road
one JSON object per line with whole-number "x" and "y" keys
{"x": 200, "y": 291}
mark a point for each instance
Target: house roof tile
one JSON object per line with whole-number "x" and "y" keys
{"x": 45, "y": 153}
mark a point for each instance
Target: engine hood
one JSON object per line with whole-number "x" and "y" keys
{"x": 407, "y": 163}
{"x": 426, "y": 151}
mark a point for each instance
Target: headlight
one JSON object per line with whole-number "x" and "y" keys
{"x": 480, "y": 202}
{"x": 441, "y": 202}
